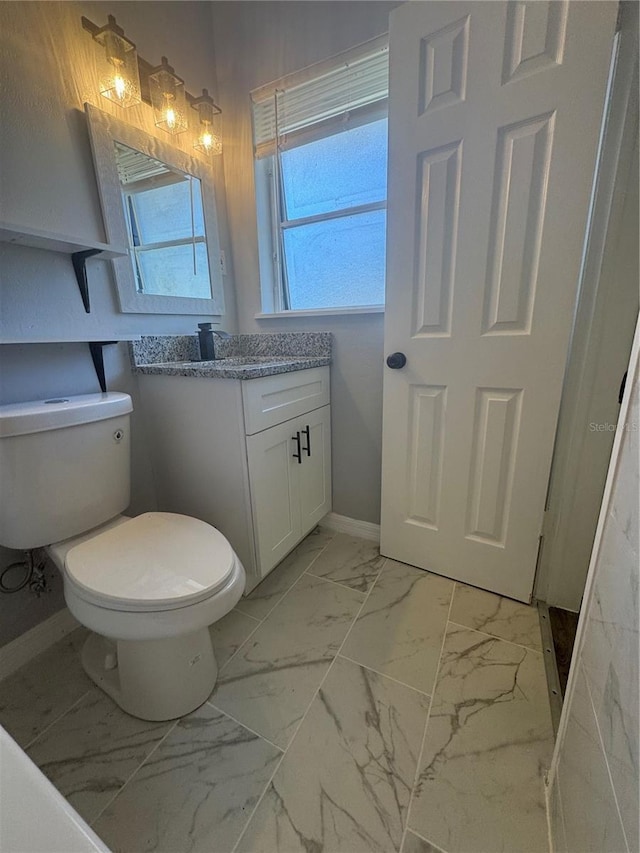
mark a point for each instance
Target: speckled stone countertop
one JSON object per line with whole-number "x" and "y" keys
{"x": 237, "y": 357}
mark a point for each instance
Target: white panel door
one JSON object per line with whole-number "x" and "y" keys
{"x": 495, "y": 113}
{"x": 275, "y": 496}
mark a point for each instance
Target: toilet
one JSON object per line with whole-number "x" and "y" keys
{"x": 147, "y": 587}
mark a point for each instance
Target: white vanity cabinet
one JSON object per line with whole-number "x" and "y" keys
{"x": 226, "y": 451}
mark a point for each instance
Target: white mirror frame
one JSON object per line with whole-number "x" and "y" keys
{"x": 104, "y": 130}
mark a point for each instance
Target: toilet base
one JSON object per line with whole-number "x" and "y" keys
{"x": 153, "y": 679}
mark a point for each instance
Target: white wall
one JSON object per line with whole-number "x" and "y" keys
{"x": 594, "y": 794}
{"x": 255, "y": 43}
{"x": 47, "y": 181}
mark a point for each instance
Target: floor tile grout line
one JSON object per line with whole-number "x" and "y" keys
{"x": 333, "y": 536}
{"x": 335, "y": 583}
{"x": 242, "y": 613}
{"x": 261, "y": 797}
{"x": 320, "y": 577}
{"x": 304, "y": 716}
{"x": 57, "y": 720}
{"x": 495, "y": 637}
{"x": 385, "y": 675}
{"x": 320, "y": 552}
{"x": 138, "y": 768}
{"x": 242, "y": 644}
{"x": 318, "y": 555}
{"x": 269, "y": 612}
{"x": 238, "y": 609}
{"x": 356, "y": 617}
{"x": 295, "y": 583}
{"x": 284, "y": 752}
{"x": 244, "y": 725}
{"x": 426, "y": 722}
{"x": 426, "y": 841}
{"x": 286, "y": 592}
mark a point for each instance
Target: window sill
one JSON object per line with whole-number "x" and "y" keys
{"x": 321, "y": 312}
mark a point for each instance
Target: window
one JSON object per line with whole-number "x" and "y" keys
{"x": 321, "y": 184}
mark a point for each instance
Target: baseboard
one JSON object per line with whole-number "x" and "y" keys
{"x": 353, "y": 526}
{"x": 24, "y": 648}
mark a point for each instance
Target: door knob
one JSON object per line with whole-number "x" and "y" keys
{"x": 396, "y": 360}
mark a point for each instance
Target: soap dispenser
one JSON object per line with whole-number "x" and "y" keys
{"x": 205, "y": 339}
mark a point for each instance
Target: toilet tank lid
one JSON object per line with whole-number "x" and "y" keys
{"x": 59, "y": 412}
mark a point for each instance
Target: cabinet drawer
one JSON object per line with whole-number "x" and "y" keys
{"x": 271, "y": 400}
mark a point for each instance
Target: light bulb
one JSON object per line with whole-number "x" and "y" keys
{"x": 207, "y": 140}
{"x": 168, "y": 98}
{"x": 120, "y": 86}
{"x": 118, "y": 71}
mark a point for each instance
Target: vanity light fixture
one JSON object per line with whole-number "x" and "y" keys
{"x": 168, "y": 98}
{"x": 119, "y": 75}
{"x": 127, "y": 79}
{"x": 207, "y": 140}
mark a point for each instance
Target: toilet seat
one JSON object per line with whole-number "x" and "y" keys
{"x": 155, "y": 562}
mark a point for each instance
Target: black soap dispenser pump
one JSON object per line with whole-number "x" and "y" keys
{"x": 205, "y": 339}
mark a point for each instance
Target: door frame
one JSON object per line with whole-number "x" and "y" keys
{"x": 618, "y": 151}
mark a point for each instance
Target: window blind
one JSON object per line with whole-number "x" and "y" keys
{"x": 139, "y": 173}
{"x": 348, "y": 83}
{"x": 135, "y": 166}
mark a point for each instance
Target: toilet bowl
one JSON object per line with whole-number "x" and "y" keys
{"x": 148, "y": 588}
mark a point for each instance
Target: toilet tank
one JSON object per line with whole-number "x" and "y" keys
{"x": 64, "y": 467}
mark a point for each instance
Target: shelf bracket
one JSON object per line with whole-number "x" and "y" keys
{"x": 79, "y": 260}
{"x": 97, "y": 356}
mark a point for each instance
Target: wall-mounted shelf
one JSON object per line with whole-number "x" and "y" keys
{"x": 36, "y": 238}
{"x": 97, "y": 357}
{"x": 79, "y": 338}
{"x": 80, "y": 250}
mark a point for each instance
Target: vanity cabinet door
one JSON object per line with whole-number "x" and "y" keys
{"x": 275, "y": 492}
{"x": 315, "y": 471}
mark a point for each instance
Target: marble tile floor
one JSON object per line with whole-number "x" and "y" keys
{"x": 362, "y": 705}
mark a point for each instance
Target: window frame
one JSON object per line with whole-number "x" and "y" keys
{"x": 271, "y": 214}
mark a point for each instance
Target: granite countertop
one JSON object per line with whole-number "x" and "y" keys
{"x": 237, "y": 357}
{"x": 233, "y": 367}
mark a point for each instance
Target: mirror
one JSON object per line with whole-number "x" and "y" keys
{"x": 159, "y": 202}
{"x": 165, "y": 223}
